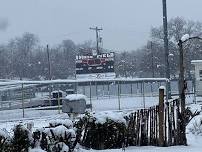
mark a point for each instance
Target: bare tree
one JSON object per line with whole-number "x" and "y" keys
{"x": 22, "y": 54}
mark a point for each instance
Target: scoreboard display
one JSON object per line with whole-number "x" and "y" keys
{"x": 98, "y": 65}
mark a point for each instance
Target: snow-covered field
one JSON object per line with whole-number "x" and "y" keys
{"x": 40, "y": 118}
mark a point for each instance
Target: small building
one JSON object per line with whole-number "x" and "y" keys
{"x": 198, "y": 76}
{"x": 74, "y": 103}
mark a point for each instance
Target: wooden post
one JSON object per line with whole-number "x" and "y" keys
{"x": 108, "y": 89}
{"x": 161, "y": 117}
{"x": 150, "y": 126}
{"x": 76, "y": 85}
{"x": 156, "y": 120}
{"x": 96, "y": 91}
{"x": 174, "y": 124}
{"x": 84, "y": 90}
{"x": 182, "y": 88}
{"x": 138, "y": 128}
{"x": 131, "y": 89}
{"x": 135, "y": 128}
{"x": 23, "y": 106}
{"x": 169, "y": 123}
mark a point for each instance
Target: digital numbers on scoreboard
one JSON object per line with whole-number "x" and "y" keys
{"x": 102, "y": 63}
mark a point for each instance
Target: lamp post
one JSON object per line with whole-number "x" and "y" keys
{"x": 182, "y": 85}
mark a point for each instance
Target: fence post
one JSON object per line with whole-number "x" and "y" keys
{"x": 96, "y": 91}
{"x": 23, "y": 106}
{"x": 58, "y": 101}
{"x": 49, "y": 90}
{"x": 91, "y": 106}
{"x": 131, "y": 89}
{"x": 119, "y": 102}
{"x": 161, "y": 116}
{"x": 143, "y": 95}
{"x": 108, "y": 89}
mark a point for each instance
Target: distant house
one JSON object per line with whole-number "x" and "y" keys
{"x": 198, "y": 76}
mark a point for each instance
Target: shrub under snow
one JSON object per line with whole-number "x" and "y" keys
{"x": 66, "y": 122}
{"x": 104, "y": 130}
{"x": 59, "y": 136}
{"x": 195, "y": 126}
{"x": 4, "y": 141}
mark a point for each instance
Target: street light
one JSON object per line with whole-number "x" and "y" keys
{"x": 182, "y": 85}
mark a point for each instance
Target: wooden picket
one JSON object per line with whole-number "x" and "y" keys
{"x": 143, "y": 126}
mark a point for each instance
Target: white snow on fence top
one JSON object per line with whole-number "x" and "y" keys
{"x": 102, "y": 117}
{"x": 185, "y": 37}
{"x": 171, "y": 54}
{"x": 72, "y": 97}
{"x": 162, "y": 87}
{"x": 84, "y": 80}
{"x": 196, "y": 61}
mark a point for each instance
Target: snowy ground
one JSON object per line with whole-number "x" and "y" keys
{"x": 40, "y": 118}
{"x": 8, "y": 117}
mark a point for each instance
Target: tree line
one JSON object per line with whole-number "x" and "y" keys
{"x": 24, "y": 57}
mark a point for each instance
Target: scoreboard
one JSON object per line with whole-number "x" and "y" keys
{"x": 101, "y": 65}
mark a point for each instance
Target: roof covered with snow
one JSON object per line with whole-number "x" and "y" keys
{"x": 72, "y": 97}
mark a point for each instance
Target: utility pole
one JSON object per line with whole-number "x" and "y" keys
{"x": 49, "y": 73}
{"x": 49, "y": 65}
{"x": 97, "y": 37}
{"x": 168, "y": 89}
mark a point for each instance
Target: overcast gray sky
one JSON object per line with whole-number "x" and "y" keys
{"x": 126, "y": 23}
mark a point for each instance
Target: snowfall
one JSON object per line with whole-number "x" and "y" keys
{"x": 114, "y": 107}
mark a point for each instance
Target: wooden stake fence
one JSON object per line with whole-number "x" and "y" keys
{"x": 157, "y": 126}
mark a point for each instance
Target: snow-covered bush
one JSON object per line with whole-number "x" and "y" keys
{"x": 36, "y": 150}
{"x": 192, "y": 111}
{"x": 66, "y": 122}
{"x": 59, "y": 136}
{"x": 195, "y": 126}
{"x": 21, "y": 139}
{"x": 4, "y": 141}
{"x": 103, "y": 130}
